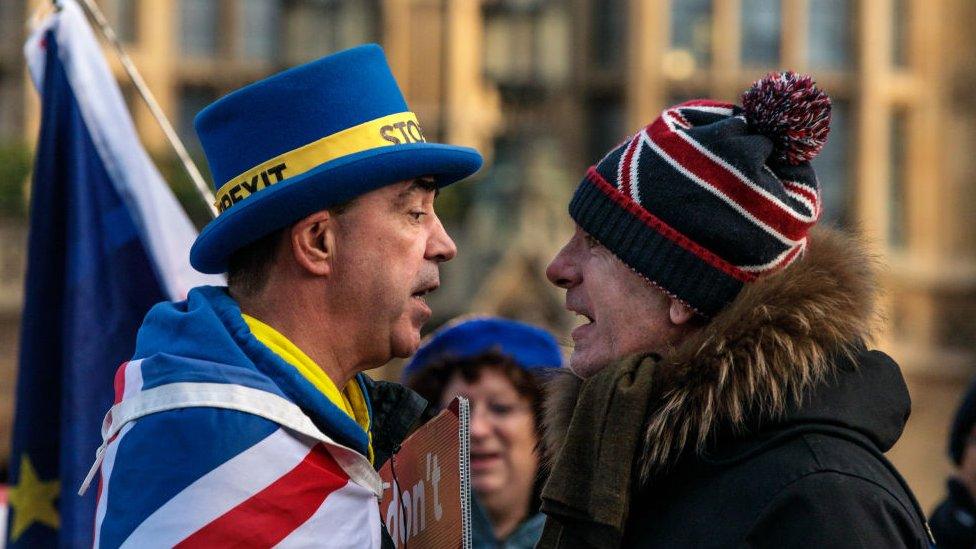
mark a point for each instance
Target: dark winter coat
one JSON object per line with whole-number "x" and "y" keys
{"x": 397, "y": 412}
{"x": 766, "y": 428}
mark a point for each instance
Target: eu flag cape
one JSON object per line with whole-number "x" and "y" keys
{"x": 107, "y": 240}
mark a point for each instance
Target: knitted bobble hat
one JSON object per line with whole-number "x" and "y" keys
{"x": 712, "y": 195}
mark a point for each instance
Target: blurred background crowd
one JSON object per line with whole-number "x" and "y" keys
{"x": 543, "y": 88}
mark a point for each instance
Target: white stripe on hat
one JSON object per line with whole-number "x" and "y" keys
{"x": 736, "y": 173}
{"x": 732, "y": 203}
{"x": 634, "y": 175}
{"x": 775, "y": 263}
{"x": 723, "y": 111}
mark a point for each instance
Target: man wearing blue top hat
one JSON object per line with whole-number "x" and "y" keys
{"x": 244, "y": 416}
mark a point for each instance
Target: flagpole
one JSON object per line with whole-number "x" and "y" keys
{"x": 174, "y": 140}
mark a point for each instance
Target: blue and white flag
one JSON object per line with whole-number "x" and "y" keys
{"x": 107, "y": 240}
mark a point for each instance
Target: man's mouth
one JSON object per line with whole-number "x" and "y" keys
{"x": 585, "y": 320}
{"x": 580, "y": 313}
{"x": 422, "y": 293}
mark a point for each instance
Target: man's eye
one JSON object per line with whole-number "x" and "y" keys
{"x": 417, "y": 214}
{"x": 591, "y": 242}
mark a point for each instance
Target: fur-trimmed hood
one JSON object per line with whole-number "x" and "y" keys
{"x": 780, "y": 338}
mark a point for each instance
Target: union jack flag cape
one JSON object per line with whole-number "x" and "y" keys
{"x": 215, "y": 441}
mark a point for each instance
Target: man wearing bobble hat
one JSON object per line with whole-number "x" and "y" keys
{"x": 244, "y": 417}
{"x": 723, "y": 393}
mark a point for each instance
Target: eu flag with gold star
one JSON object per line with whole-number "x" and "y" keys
{"x": 107, "y": 241}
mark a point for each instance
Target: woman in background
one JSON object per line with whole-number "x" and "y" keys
{"x": 497, "y": 365}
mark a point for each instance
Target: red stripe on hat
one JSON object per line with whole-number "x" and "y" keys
{"x": 777, "y": 217}
{"x": 680, "y": 118}
{"x": 705, "y": 103}
{"x": 269, "y": 516}
{"x": 666, "y": 230}
{"x": 805, "y": 192}
{"x": 786, "y": 260}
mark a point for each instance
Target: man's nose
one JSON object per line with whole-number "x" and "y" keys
{"x": 562, "y": 270}
{"x": 440, "y": 246}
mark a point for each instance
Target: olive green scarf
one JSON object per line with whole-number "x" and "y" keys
{"x": 587, "y": 495}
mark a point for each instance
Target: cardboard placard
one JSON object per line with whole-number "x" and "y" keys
{"x": 426, "y": 485}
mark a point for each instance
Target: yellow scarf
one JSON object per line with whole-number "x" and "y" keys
{"x": 350, "y": 400}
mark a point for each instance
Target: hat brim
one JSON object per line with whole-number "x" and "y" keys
{"x": 327, "y": 185}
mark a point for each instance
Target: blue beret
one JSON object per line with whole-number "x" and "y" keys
{"x": 530, "y": 347}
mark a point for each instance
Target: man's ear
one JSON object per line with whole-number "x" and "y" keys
{"x": 313, "y": 243}
{"x": 679, "y": 312}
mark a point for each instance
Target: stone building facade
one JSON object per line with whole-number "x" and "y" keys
{"x": 543, "y": 87}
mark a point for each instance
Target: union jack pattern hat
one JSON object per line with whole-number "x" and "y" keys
{"x": 712, "y": 195}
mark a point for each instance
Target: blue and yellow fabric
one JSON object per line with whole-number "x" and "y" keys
{"x": 208, "y": 339}
{"x": 351, "y": 400}
{"x": 308, "y": 138}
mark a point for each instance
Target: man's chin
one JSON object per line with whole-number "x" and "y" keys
{"x": 586, "y": 366}
{"x": 406, "y": 344}
{"x": 400, "y": 352}
{"x": 419, "y": 310}
{"x": 405, "y": 337}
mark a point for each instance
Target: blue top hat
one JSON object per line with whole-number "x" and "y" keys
{"x": 530, "y": 347}
{"x": 309, "y": 138}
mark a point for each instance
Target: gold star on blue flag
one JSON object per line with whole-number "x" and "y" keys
{"x": 32, "y": 501}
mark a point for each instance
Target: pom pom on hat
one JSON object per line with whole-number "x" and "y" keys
{"x": 789, "y": 109}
